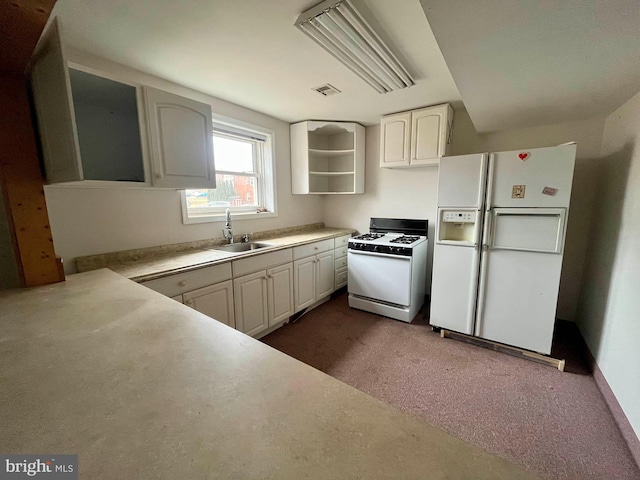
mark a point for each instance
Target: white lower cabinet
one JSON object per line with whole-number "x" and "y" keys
{"x": 215, "y": 301}
{"x": 304, "y": 280}
{"x": 258, "y": 293}
{"x": 313, "y": 279}
{"x": 250, "y": 293}
{"x": 340, "y": 253}
{"x": 280, "y": 293}
{"x": 263, "y": 299}
{"x": 324, "y": 275}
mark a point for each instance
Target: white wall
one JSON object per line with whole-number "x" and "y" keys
{"x": 609, "y": 310}
{"x": 87, "y": 221}
{"x": 412, "y": 193}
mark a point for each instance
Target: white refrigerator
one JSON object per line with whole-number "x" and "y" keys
{"x": 499, "y": 244}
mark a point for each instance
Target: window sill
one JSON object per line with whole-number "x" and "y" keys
{"x": 220, "y": 217}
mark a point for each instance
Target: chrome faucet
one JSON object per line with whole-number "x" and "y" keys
{"x": 227, "y": 231}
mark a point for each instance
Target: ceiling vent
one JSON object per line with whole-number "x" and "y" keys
{"x": 327, "y": 90}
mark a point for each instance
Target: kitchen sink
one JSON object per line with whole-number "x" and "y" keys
{"x": 242, "y": 247}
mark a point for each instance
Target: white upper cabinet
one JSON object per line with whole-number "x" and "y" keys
{"x": 181, "y": 141}
{"x": 395, "y": 137}
{"x": 89, "y": 126}
{"x": 327, "y": 158}
{"x": 51, "y": 89}
{"x": 416, "y": 138}
{"x": 93, "y": 129}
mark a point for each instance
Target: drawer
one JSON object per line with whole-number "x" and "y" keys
{"x": 342, "y": 241}
{"x": 341, "y": 263}
{"x": 184, "y": 282}
{"x": 341, "y": 252}
{"x": 260, "y": 262}
{"x": 312, "y": 248}
{"x": 341, "y": 278}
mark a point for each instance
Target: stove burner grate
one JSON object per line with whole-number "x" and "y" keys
{"x": 369, "y": 236}
{"x": 405, "y": 239}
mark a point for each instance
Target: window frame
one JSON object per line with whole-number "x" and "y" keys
{"x": 264, "y": 174}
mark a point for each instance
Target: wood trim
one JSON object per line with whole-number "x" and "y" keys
{"x": 499, "y": 347}
{"x": 23, "y": 186}
{"x": 21, "y": 23}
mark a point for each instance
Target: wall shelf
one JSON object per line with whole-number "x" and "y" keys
{"x": 327, "y": 158}
{"x": 330, "y": 153}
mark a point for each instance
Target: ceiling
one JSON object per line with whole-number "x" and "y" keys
{"x": 539, "y": 62}
{"x": 248, "y": 52}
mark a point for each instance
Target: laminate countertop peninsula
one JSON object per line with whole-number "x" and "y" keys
{"x": 140, "y": 386}
{"x": 157, "y": 262}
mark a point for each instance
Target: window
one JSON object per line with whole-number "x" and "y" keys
{"x": 244, "y": 176}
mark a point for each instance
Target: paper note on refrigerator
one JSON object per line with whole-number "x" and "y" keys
{"x": 518, "y": 191}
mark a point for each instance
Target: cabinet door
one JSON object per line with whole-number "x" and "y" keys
{"x": 181, "y": 141}
{"x": 304, "y": 282}
{"x": 394, "y": 140}
{"x": 325, "y": 274}
{"x": 429, "y": 127}
{"x": 280, "y": 293}
{"x": 53, "y": 102}
{"x": 215, "y": 301}
{"x": 250, "y": 295}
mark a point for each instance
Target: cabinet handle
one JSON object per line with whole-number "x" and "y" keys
{"x": 182, "y": 283}
{"x": 189, "y": 303}
{"x": 315, "y": 248}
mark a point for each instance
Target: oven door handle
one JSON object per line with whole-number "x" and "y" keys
{"x": 376, "y": 254}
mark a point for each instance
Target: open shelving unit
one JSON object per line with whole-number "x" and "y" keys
{"x": 327, "y": 158}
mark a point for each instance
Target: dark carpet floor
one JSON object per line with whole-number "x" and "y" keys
{"x": 551, "y": 423}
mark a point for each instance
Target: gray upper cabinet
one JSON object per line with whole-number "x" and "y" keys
{"x": 94, "y": 129}
{"x": 181, "y": 140}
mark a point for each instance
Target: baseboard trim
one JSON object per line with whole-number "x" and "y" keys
{"x": 619, "y": 416}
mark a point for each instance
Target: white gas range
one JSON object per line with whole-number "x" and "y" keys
{"x": 388, "y": 268}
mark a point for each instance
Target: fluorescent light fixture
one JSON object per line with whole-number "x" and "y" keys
{"x": 340, "y": 29}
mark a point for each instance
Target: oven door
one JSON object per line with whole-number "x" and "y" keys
{"x": 378, "y": 276}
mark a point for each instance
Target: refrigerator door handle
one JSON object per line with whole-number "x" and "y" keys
{"x": 481, "y": 294}
{"x": 473, "y": 293}
{"x": 477, "y": 229}
{"x": 486, "y": 233}
{"x": 490, "y": 181}
{"x": 482, "y": 181}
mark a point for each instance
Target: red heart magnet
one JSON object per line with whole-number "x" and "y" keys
{"x": 523, "y": 156}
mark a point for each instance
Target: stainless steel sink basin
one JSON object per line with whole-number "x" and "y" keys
{"x": 242, "y": 247}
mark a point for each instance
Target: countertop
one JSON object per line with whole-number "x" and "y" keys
{"x": 150, "y": 264}
{"x": 140, "y": 386}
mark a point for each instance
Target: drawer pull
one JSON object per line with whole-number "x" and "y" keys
{"x": 182, "y": 283}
